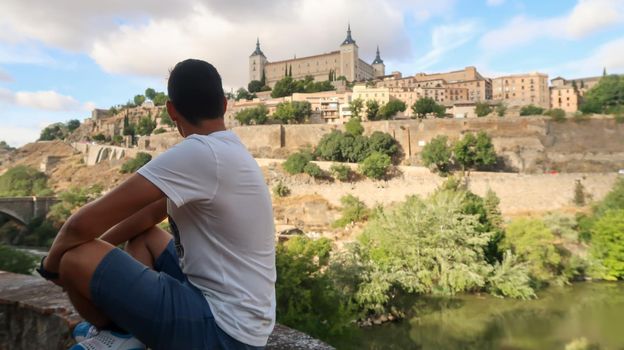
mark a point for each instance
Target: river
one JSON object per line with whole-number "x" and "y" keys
{"x": 561, "y": 315}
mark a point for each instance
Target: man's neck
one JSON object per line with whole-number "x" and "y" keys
{"x": 206, "y": 127}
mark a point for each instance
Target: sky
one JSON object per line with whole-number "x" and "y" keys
{"x": 60, "y": 59}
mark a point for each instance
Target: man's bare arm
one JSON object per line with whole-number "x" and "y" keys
{"x": 97, "y": 217}
{"x": 144, "y": 219}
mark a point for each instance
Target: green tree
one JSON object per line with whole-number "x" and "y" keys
{"x": 608, "y": 243}
{"x": 242, "y": 94}
{"x": 293, "y": 112}
{"x": 99, "y": 137}
{"x": 383, "y": 143}
{"x": 427, "y": 105}
{"x": 255, "y": 86}
{"x": 13, "y": 260}
{"x": 72, "y": 199}
{"x": 474, "y": 151}
{"x": 160, "y": 99}
{"x": 437, "y": 153}
{"x": 165, "y": 118}
{"x": 354, "y": 127}
{"x": 285, "y": 87}
{"x": 128, "y": 128}
{"x": 328, "y": 147}
{"x": 375, "y": 166}
{"x": 356, "y": 107}
{"x": 612, "y": 201}
{"x": 24, "y": 181}
{"x": 482, "y": 109}
{"x": 146, "y": 126}
{"x": 253, "y": 116}
{"x": 150, "y": 93}
{"x": 531, "y": 110}
{"x": 296, "y": 162}
{"x": 73, "y": 125}
{"x": 135, "y": 163}
{"x": 55, "y": 131}
{"x": 392, "y": 108}
{"x": 372, "y": 110}
{"x": 139, "y": 99}
{"x": 605, "y": 97}
{"x": 353, "y": 210}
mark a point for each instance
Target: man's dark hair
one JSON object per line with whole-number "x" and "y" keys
{"x": 195, "y": 90}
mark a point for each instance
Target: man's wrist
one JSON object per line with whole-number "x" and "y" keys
{"x": 48, "y": 275}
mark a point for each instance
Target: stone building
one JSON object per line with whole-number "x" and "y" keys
{"x": 343, "y": 62}
{"x": 522, "y": 90}
{"x": 478, "y": 87}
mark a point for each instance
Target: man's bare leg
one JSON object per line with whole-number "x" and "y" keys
{"x": 79, "y": 264}
{"x": 148, "y": 246}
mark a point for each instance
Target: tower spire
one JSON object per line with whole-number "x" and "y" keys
{"x": 349, "y": 39}
{"x": 257, "y": 51}
{"x": 378, "y": 59}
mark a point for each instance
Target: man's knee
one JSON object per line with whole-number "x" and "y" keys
{"x": 78, "y": 264}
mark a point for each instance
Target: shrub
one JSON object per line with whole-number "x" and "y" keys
{"x": 257, "y": 115}
{"x": 608, "y": 243}
{"x": 24, "y": 181}
{"x": 482, "y": 109}
{"x": 306, "y": 297}
{"x": 474, "y": 152}
{"x": 159, "y": 131}
{"x": 501, "y": 109}
{"x": 353, "y": 210}
{"x": 354, "y": 127}
{"x": 313, "y": 170}
{"x": 510, "y": 278}
{"x": 383, "y": 143}
{"x": 117, "y": 139}
{"x": 557, "y": 114}
{"x": 296, "y": 162}
{"x": 533, "y": 242}
{"x": 531, "y": 110}
{"x": 375, "y": 166}
{"x": 341, "y": 172}
{"x": 72, "y": 199}
{"x": 16, "y": 261}
{"x": 391, "y": 108}
{"x": 99, "y": 137}
{"x": 579, "y": 193}
{"x": 145, "y": 126}
{"x": 136, "y": 163}
{"x": 437, "y": 153}
{"x": 281, "y": 190}
{"x": 613, "y": 200}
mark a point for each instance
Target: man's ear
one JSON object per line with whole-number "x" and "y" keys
{"x": 173, "y": 112}
{"x": 224, "y": 104}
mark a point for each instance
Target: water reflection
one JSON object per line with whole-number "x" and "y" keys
{"x": 594, "y": 311}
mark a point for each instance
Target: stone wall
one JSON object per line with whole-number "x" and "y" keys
{"x": 35, "y": 314}
{"x": 526, "y": 144}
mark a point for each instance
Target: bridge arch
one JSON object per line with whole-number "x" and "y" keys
{"x": 13, "y": 215}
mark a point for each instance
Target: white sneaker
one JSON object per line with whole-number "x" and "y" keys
{"x": 108, "y": 340}
{"x": 83, "y": 331}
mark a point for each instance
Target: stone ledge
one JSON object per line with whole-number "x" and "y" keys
{"x": 35, "y": 314}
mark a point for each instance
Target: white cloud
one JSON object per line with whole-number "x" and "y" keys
{"x": 446, "y": 38}
{"x": 146, "y": 37}
{"x": 609, "y": 55}
{"x": 495, "y": 2}
{"x": 17, "y": 136}
{"x": 5, "y": 76}
{"x": 587, "y": 17}
{"x": 42, "y": 100}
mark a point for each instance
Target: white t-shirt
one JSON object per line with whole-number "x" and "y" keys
{"x": 221, "y": 206}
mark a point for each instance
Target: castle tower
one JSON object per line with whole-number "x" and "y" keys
{"x": 349, "y": 57}
{"x": 257, "y": 61}
{"x": 378, "y": 65}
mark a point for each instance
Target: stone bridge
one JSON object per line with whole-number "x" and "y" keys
{"x": 24, "y": 209}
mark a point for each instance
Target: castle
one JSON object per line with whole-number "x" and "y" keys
{"x": 343, "y": 62}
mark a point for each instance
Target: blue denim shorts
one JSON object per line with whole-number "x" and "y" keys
{"x": 160, "y": 307}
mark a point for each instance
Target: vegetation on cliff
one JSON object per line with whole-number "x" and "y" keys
{"x": 24, "y": 181}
